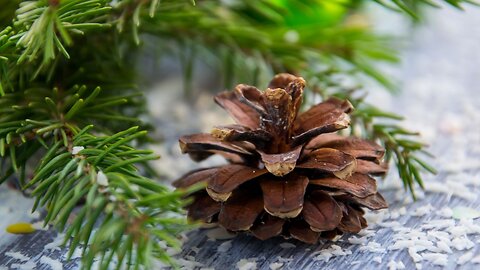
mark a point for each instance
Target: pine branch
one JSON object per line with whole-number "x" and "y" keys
{"x": 403, "y": 146}
{"x": 37, "y": 40}
{"x": 262, "y": 35}
{"x": 411, "y": 7}
{"x": 263, "y": 39}
{"x": 45, "y": 27}
{"x": 138, "y": 216}
{"x": 84, "y": 177}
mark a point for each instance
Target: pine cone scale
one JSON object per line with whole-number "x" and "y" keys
{"x": 301, "y": 231}
{"x": 351, "y": 221}
{"x": 357, "y": 148}
{"x": 322, "y": 212}
{"x": 194, "y": 177}
{"x": 268, "y": 227}
{"x": 282, "y": 163}
{"x": 206, "y": 143}
{"x": 341, "y": 122}
{"x": 240, "y": 211}
{"x": 251, "y": 97}
{"x": 369, "y": 167}
{"x": 284, "y": 197}
{"x": 227, "y": 178}
{"x": 326, "y": 117}
{"x": 203, "y": 208}
{"x": 330, "y": 160}
{"x": 240, "y": 112}
{"x": 234, "y": 133}
{"x": 372, "y": 202}
{"x": 359, "y": 185}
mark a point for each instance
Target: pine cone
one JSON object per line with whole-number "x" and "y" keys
{"x": 289, "y": 174}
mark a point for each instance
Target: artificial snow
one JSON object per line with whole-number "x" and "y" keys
{"x": 444, "y": 246}
{"x": 275, "y": 265}
{"x": 476, "y": 259}
{"x": 462, "y": 212}
{"x": 393, "y": 265}
{"x": 430, "y": 241}
{"x": 77, "y": 149}
{"x": 446, "y": 212}
{"x": 247, "y": 264}
{"x": 39, "y": 225}
{"x": 357, "y": 240}
{"x": 373, "y": 247}
{"x": 57, "y": 242}
{"x": 34, "y": 215}
{"x": 30, "y": 265}
{"x": 54, "y": 264}
{"x": 462, "y": 243}
{"x": 328, "y": 253}
{"x": 188, "y": 263}
{"x": 17, "y": 256}
{"x": 436, "y": 258}
{"x": 77, "y": 253}
{"x": 391, "y": 224}
{"x": 102, "y": 179}
{"x": 465, "y": 258}
{"x": 412, "y": 251}
{"x": 423, "y": 210}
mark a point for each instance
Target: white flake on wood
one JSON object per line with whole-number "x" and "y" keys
{"x": 275, "y": 265}
{"x": 17, "y": 256}
{"x": 30, "y": 265}
{"x": 247, "y": 264}
{"x": 465, "y": 258}
{"x": 54, "y": 264}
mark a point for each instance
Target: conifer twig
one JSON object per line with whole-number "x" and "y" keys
{"x": 411, "y": 7}
{"x": 90, "y": 184}
{"x": 403, "y": 146}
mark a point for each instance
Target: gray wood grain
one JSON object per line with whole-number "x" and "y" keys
{"x": 440, "y": 75}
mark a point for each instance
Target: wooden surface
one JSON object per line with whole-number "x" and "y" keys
{"x": 440, "y": 77}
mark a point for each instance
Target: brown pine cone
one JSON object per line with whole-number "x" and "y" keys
{"x": 289, "y": 174}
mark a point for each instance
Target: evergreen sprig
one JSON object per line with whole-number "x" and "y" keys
{"x": 98, "y": 195}
{"x": 92, "y": 178}
{"x": 138, "y": 217}
{"x": 402, "y": 146}
{"x": 411, "y": 7}
{"x": 46, "y": 26}
{"x": 265, "y": 37}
